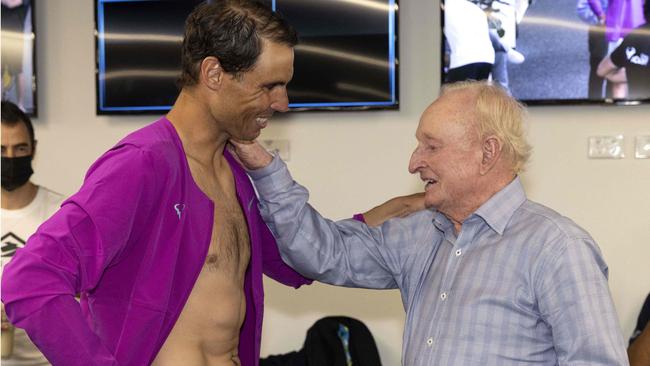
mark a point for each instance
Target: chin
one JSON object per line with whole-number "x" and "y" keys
{"x": 429, "y": 203}
{"x": 249, "y": 136}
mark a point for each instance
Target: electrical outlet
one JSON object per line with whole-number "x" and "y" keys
{"x": 279, "y": 146}
{"x": 606, "y": 147}
{"x": 642, "y": 146}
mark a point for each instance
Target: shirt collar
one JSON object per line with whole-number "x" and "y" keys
{"x": 496, "y": 212}
{"x": 499, "y": 209}
{"x": 442, "y": 222}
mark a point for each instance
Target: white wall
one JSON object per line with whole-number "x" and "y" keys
{"x": 352, "y": 161}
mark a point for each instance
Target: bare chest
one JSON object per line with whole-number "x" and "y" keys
{"x": 207, "y": 330}
{"x": 229, "y": 249}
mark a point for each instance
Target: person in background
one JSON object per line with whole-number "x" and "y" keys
{"x": 620, "y": 18}
{"x": 639, "y": 349}
{"x": 587, "y": 11}
{"x": 25, "y": 206}
{"x": 630, "y": 62}
{"x": 471, "y": 54}
{"x": 164, "y": 240}
{"x": 487, "y": 277}
{"x": 503, "y": 52}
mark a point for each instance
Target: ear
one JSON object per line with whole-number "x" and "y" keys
{"x": 211, "y": 73}
{"x": 491, "y": 149}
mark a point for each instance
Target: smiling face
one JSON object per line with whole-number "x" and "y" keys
{"x": 448, "y": 155}
{"x": 248, "y": 101}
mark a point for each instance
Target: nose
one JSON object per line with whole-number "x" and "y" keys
{"x": 416, "y": 161}
{"x": 280, "y": 100}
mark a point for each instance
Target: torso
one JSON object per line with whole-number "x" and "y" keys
{"x": 207, "y": 330}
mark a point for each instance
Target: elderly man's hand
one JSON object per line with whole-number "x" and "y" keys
{"x": 251, "y": 154}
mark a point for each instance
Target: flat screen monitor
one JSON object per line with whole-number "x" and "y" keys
{"x": 546, "y": 52}
{"x": 346, "y": 57}
{"x": 19, "y": 55}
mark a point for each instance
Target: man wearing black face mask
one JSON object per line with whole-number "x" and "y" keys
{"x": 24, "y": 207}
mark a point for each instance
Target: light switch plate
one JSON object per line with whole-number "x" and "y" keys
{"x": 642, "y": 146}
{"x": 606, "y": 147}
{"x": 279, "y": 146}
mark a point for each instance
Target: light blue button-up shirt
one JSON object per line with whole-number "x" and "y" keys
{"x": 520, "y": 284}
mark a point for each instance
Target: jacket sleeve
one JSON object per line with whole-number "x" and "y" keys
{"x": 68, "y": 254}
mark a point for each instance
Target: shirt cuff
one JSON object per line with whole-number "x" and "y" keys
{"x": 271, "y": 178}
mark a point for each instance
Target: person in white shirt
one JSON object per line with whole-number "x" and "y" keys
{"x": 25, "y": 206}
{"x": 471, "y": 52}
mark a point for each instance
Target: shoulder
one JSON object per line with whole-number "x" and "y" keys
{"x": 553, "y": 235}
{"x": 548, "y": 222}
{"x": 157, "y": 139}
{"x": 51, "y": 198}
{"x": 411, "y": 231}
{"x": 152, "y": 150}
{"x": 414, "y": 220}
{"x": 560, "y": 242}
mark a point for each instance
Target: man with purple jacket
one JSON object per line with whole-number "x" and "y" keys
{"x": 164, "y": 241}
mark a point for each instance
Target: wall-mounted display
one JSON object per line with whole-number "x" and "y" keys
{"x": 346, "y": 57}
{"x": 550, "y": 52}
{"x": 19, "y": 54}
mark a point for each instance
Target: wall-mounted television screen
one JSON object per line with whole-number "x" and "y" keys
{"x": 346, "y": 57}
{"x": 19, "y": 54}
{"x": 549, "y": 52}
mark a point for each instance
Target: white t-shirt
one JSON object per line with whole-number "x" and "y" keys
{"x": 17, "y": 227}
{"x": 466, "y": 29}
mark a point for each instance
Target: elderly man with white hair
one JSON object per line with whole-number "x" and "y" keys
{"x": 487, "y": 277}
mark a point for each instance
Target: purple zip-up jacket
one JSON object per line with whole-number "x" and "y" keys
{"x": 132, "y": 242}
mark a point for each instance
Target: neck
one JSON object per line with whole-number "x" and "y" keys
{"x": 19, "y": 197}
{"x": 476, "y": 199}
{"x": 200, "y": 133}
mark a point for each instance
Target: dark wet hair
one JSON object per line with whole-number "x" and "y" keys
{"x": 232, "y": 31}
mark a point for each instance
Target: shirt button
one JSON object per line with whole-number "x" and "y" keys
{"x": 443, "y": 296}
{"x": 459, "y": 252}
{"x": 429, "y": 341}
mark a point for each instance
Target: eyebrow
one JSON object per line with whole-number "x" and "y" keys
{"x": 17, "y": 145}
{"x": 275, "y": 83}
{"x": 427, "y": 137}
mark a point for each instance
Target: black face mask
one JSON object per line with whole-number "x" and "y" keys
{"x": 16, "y": 172}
